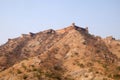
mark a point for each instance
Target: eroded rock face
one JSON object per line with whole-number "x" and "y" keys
{"x": 67, "y": 54}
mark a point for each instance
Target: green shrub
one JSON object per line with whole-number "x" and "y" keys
{"x": 25, "y": 76}
{"x": 19, "y": 71}
{"x": 34, "y": 69}
{"x": 38, "y": 75}
{"x": 76, "y": 53}
{"x": 89, "y": 64}
{"x": 104, "y": 65}
{"x": 116, "y": 76}
{"x": 110, "y": 76}
{"x": 55, "y": 76}
{"x": 57, "y": 68}
{"x": 37, "y": 70}
{"x": 81, "y": 65}
{"x": 90, "y": 70}
{"x": 97, "y": 51}
{"x": 105, "y": 79}
{"x": 23, "y": 65}
{"x": 118, "y": 68}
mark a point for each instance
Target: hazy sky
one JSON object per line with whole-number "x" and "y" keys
{"x": 23, "y": 16}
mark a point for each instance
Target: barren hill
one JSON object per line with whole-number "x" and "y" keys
{"x": 71, "y": 53}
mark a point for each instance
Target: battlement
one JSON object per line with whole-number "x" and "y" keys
{"x": 73, "y": 27}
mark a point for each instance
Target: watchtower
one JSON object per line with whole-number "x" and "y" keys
{"x": 86, "y": 29}
{"x": 73, "y": 25}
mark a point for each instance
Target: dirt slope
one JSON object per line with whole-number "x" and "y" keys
{"x": 67, "y": 54}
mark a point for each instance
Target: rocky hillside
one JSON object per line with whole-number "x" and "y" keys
{"x": 67, "y": 54}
